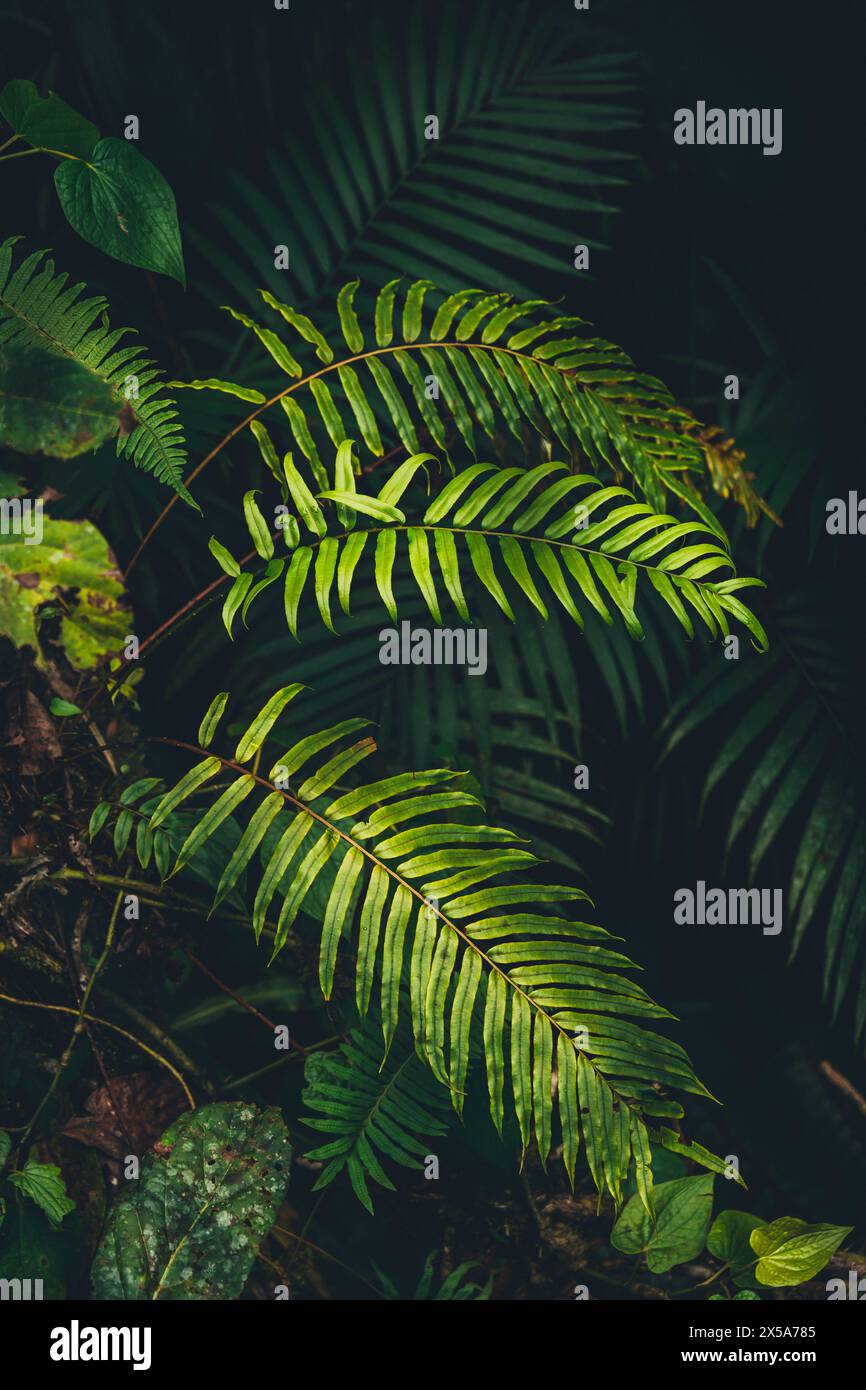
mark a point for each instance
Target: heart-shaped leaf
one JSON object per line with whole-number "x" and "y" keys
{"x": 120, "y": 203}
{"x": 47, "y": 122}
{"x": 191, "y": 1225}
{"x": 791, "y": 1251}
{"x": 683, "y": 1212}
{"x": 728, "y": 1240}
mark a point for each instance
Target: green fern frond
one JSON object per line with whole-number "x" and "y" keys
{"x": 452, "y": 1289}
{"x": 411, "y": 875}
{"x": 375, "y": 1110}
{"x": 38, "y": 309}
{"x": 518, "y": 730}
{"x": 477, "y": 361}
{"x": 521, "y": 520}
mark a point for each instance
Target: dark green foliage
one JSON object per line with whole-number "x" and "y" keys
{"x": 191, "y": 1224}
{"x": 376, "y": 1111}
{"x": 39, "y": 310}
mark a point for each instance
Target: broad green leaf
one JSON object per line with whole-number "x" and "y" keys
{"x": 120, "y": 203}
{"x": 98, "y": 817}
{"x": 683, "y": 1214}
{"x": 52, "y": 405}
{"x": 64, "y": 709}
{"x": 46, "y": 122}
{"x": 191, "y": 1226}
{"x": 31, "y": 1247}
{"x": 791, "y": 1251}
{"x": 728, "y": 1240}
{"x": 44, "y": 1185}
{"x": 72, "y": 556}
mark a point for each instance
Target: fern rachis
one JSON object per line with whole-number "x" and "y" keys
{"x": 580, "y": 391}
{"x": 525, "y": 518}
{"x": 484, "y": 952}
{"x": 38, "y": 310}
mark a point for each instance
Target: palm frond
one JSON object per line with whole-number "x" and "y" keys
{"x": 411, "y": 874}
{"x": 366, "y": 191}
{"x": 375, "y": 1110}
{"x": 525, "y": 519}
{"x": 37, "y": 309}
{"x": 476, "y": 361}
{"x": 797, "y": 750}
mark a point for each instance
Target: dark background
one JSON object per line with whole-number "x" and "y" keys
{"x": 719, "y": 260}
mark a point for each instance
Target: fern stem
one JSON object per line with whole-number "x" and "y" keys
{"x": 188, "y": 609}
{"x": 392, "y": 873}
{"x": 79, "y": 1022}
{"x": 115, "y": 1028}
{"x": 238, "y": 998}
{"x": 304, "y": 381}
{"x": 233, "y": 1084}
{"x": 177, "y": 902}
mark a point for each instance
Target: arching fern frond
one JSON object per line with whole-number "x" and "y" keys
{"x": 375, "y": 1110}
{"x": 473, "y": 362}
{"x": 504, "y": 527}
{"x": 37, "y": 309}
{"x": 492, "y": 948}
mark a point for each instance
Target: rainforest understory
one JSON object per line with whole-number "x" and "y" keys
{"x": 397, "y": 622}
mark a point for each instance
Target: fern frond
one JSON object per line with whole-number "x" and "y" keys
{"x": 411, "y": 875}
{"x": 375, "y": 1110}
{"x": 476, "y": 362}
{"x": 452, "y": 1289}
{"x": 366, "y": 189}
{"x": 38, "y": 309}
{"x": 518, "y": 730}
{"x": 509, "y": 529}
